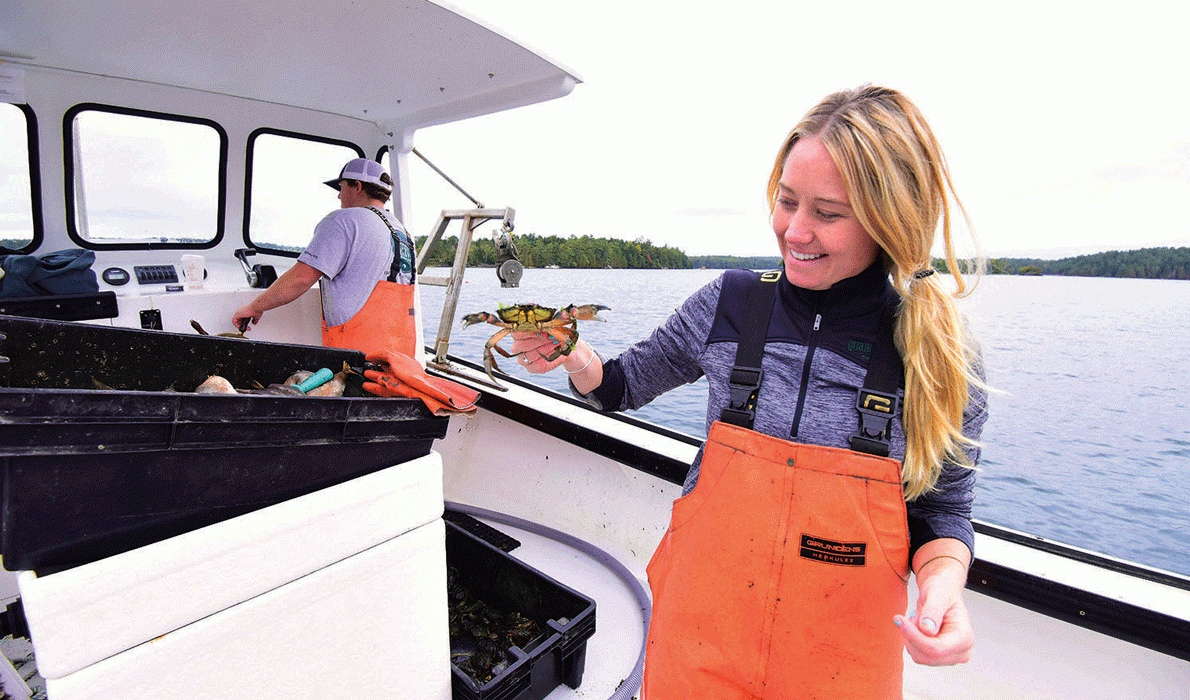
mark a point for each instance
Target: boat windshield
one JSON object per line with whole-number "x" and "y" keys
{"x": 142, "y": 178}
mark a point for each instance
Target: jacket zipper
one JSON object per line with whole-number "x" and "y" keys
{"x": 801, "y": 395}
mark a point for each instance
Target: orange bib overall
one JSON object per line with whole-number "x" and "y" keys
{"x": 780, "y": 575}
{"x": 386, "y": 322}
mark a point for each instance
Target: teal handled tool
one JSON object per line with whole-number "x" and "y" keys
{"x": 316, "y": 380}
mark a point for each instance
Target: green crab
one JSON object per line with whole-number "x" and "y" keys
{"x": 560, "y": 324}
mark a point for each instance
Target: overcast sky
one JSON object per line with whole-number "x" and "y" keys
{"x": 1064, "y": 124}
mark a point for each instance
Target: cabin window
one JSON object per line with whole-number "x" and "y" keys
{"x": 17, "y": 230}
{"x": 142, "y": 179}
{"x": 287, "y": 197}
{"x": 384, "y": 160}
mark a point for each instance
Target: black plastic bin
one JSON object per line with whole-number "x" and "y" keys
{"x": 566, "y": 617}
{"x": 89, "y": 473}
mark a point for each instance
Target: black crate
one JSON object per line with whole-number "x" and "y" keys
{"x": 508, "y": 584}
{"x": 45, "y": 354}
{"x": 89, "y": 473}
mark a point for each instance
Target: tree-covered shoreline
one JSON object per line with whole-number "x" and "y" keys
{"x": 555, "y": 251}
{"x": 590, "y": 252}
{"x": 642, "y": 254}
{"x": 1146, "y": 263}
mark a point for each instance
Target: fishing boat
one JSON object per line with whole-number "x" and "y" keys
{"x": 136, "y": 570}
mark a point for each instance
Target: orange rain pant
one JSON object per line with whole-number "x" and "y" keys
{"x": 780, "y": 575}
{"x": 386, "y": 322}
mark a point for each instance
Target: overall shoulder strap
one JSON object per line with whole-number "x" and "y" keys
{"x": 399, "y": 243}
{"x": 744, "y": 381}
{"x": 877, "y": 398}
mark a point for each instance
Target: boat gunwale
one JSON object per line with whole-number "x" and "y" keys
{"x": 640, "y": 458}
{"x": 1151, "y": 629}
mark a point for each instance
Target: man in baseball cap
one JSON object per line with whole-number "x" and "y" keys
{"x": 363, "y": 259}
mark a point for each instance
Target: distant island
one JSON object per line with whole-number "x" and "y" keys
{"x": 590, "y": 252}
{"x": 1146, "y": 263}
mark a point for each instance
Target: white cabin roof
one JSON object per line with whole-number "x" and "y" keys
{"x": 398, "y": 63}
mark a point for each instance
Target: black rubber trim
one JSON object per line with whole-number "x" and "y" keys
{"x": 635, "y": 456}
{"x": 34, "y": 148}
{"x": 1165, "y": 578}
{"x": 63, "y": 307}
{"x": 1140, "y": 626}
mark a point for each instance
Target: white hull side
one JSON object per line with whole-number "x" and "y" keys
{"x": 350, "y": 578}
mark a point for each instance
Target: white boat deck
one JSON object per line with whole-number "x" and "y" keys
{"x": 612, "y": 651}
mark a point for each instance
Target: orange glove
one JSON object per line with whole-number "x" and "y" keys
{"x": 406, "y": 377}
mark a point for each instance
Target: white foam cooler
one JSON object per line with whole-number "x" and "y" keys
{"x": 341, "y": 591}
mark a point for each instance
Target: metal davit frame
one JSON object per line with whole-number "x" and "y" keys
{"x": 508, "y": 269}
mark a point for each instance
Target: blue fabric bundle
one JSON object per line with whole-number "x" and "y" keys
{"x": 61, "y": 272}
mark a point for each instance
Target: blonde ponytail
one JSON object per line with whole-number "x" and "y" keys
{"x": 940, "y": 367}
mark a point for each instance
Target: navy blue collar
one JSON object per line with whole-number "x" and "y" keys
{"x": 854, "y": 296}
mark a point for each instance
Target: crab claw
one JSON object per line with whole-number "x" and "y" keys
{"x": 489, "y": 364}
{"x": 481, "y": 317}
{"x": 586, "y": 312}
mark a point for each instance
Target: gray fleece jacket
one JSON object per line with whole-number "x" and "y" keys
{"x": 816, "y": 356}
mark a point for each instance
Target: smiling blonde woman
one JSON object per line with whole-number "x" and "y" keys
{"x": 844, "y": 407}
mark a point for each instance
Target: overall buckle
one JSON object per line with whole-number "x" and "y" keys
{"x": 742, "y": 384}
{"x": 876, "y": 411}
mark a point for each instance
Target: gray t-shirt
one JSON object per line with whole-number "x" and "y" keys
{"x": 353, "y": 249}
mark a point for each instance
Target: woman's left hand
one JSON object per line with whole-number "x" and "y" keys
{"x": 531, "y": 349}
{"x": 940, "y": 633}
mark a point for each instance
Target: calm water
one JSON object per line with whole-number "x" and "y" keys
{"x": 1088, "y": 442}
